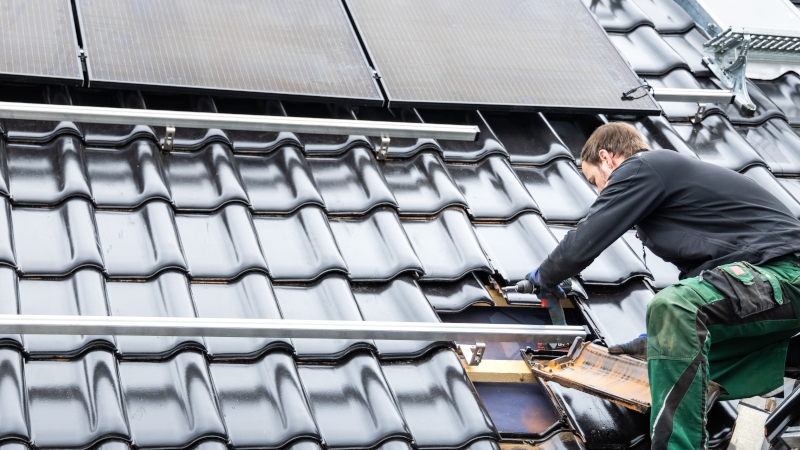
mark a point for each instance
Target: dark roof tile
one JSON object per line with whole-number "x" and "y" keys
{"x": 421, "y": 185}
{"x": 528, "y": 137}
{"x": 139, "y": 243}
{"x": 518, "y": 247}
{"x": 352, "y": 403}
{"x": 222, "y": 245}
{"x": 82, "y": 294}
{"x": 351, "y": 183}
{"x": 491, "y": 189}
{"x": 9, "y": 304}
{"x": 375, "y": 247}
{"x": 777, "y": 143}
{"x": 4, "y": 187}
{"x": 7, "y": 256}
{"x": 600, "y": 423}
{"x": 126, "y": 177}
{"x": 765, "y": 179}
{"x": 299, "y": 247}
{"x": 664, "y": 274}
{"x": 660, "y": 135}
{"x": 321, "y": 144}
{"x": 618, "y": 15}
{"x": 49, "y": 173}
{"x": 791, "y": 185}
{"x": 452, "y": 297}
{"x": 562, "y": 194}
{"x": 170, "y": 404}
{"x": 203, "y": 180}
{"x": 262, "y": 403}
{"x": 681, "y": 111}
{"x": 111, "y": 135}
{"x": 255, "y": 141}
{"x": 398, "y": 147}
{"x": 519, "y": 409}
{"x": 667, "y": 15}
{"x": 397, "y": 301}
{"x": 165, "y": 296}
{"x": 765, "y": 108}
{"x": 617, "y": 315}
{"x": 278, "y": 182}
{"x": 689, "y": 46}
{"x": 574, "y": 129}
{"x": 647, "y": 52}
{"x": 186, "y": 138}
{"x": 13, "y": 408}
{"x": 464, "y": 151}
{"x": 37, "y": 131}
{"x": 439, "y": 402}
{"x": 250, "y": 297}
{"x": 328, "y": 299}
{"x": 615, "y": 265}
{"x": 446, "y": 245}
{"x": 76, "y": 403}
{"x": 716, "y": 141}
{"x": 784, "y": 92}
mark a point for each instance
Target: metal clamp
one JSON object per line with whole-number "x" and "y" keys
{"x": 701, "y": 96}
{"x": 383, "y": 149}
{"x": 729, "y": 64}
{"x": 473, "y": 354}
{"x": 169, "y": 139}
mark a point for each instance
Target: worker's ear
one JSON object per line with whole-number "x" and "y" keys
{"x": 605, "y": 157}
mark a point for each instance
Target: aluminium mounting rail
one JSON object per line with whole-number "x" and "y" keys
{"x": 175, "y": 119}
{"x": 284, "y": 328}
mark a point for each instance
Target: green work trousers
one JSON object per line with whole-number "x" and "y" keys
{"x": 696, "y": 335}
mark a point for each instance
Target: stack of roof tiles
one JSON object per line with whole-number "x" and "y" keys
{"x": 98, "y": 220}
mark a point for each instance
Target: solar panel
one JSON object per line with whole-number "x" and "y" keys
{"x": 38, "y": 40}
{"x": 294, "y": 48}
{"x": 521, "y": 54}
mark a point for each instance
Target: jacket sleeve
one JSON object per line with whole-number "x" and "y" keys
{"x": 634, "y": 190}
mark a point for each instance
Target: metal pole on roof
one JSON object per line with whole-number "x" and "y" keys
{"x": 285, "y": 328}
{"x": 182, "y": 119}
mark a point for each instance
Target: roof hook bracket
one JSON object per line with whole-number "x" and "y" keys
{"x": 382, "y": 149}
{"x": 729, "y": 64}
{"x": 700, "y": 114}
{"x": 473, "y": 354}
{"x": 169, "y": 139}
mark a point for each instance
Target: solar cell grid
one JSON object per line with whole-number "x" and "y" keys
{"x": 38, "y": 39}
{"x": 284, "y": 47}
{"x": 483, "y": 53}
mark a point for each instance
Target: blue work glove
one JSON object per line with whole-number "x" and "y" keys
{"x": 536, "y": 280}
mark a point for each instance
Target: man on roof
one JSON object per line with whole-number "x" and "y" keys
{"x": 730, "y": 318}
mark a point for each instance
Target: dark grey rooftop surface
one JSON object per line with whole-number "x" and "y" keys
{"x": 98, "y": 220}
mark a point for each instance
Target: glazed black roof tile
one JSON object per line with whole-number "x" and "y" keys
{"x": 689, "y": 46}
{"x": 455, "y": 296}
{"x": 126, "y": 177}
{"x": 171, "y": 403}
{"x": 560, "y": 191}
{"x": 491, "y": 189}
{"x": 55, "y": 241}
{"x": 351, "y": 183}
{"x": 165, "y": 296}
{"x": 421, "y": 185}
{"x": 299, "y": 247}
{"x": 618, "y": 15}
{"x": 791, "y": 185}
{"x": 7, "y": 254}
{"x": 81, "y": 294}
{"x": 400, "y": 300}
{"x": 660, "y": 135}
{"x": 466, "y": 151}
{"x": 777, "y": 143}
{"x": 606, "y": 306}
{"x": 436, "y": 390}
{"x": 9, "y": 304}
{"x": 28, "y": 131}
{"x": 446, "y": 245}
{"x": 528, "y": 137}
{"x": 765, "y": 108}
{"x": 263, "y": 403}
{"x": 186, "y": 138}
{"x": 398, "y": 147}
{"x": 667, "y": 16}
{"x": 600, "y": 423}
{"x": 352, "y": 403}
{"x": 14, "y": 407}
{"x": 221, "y": 245}
{"x": 321, "y": 144}
{"x": 519, "y": 409}
{"x": 715, "y": 140}
{"x": 256, "y": 141}
{"x": 330, "y": 298}
{"x": 75, "y": 403}
{"x": 375, "y": 247}
{"x": 784, "y": 92}
{"x": 765, "y": 179}
{"x": 106, "y": 135}
{"x": 278, "y": 182}
{"x": 574, "y": 129}
{"x": 647, "y": 52}
{"x": 203, "y": 180}
{"x": 250, "y": 297}
{"x": 48, "y": 173}
{"x": 139, "y": 243}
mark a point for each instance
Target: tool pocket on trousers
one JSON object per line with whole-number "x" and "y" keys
{"x": 750, "y": 291}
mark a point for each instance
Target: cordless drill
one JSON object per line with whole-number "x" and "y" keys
{"x": 550, "y": 298}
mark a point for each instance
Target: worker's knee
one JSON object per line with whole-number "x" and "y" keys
{"x": 671, "y": 324}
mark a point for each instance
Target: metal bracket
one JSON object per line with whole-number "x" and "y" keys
{"x": 701, "y": 112}
{"x": 473, "y": 354}
{"x": 169, "y": 139}
{"x": 729, "y": 64}
{"x": 383, "y": 149}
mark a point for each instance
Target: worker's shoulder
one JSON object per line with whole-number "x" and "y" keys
{"x": 668, "y": 161}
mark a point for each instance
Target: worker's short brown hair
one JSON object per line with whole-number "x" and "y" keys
{"x": 618, "y": 138}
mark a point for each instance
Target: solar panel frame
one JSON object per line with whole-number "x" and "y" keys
{"x": 368, "y": 33}
{"x": 356, "y": 68}
{"x": 53, "y": 23}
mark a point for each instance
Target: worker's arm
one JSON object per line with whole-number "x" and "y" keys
{"x": 634, "y": 190}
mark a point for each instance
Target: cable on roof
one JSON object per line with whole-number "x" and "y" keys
{"x": 628, "y": 95}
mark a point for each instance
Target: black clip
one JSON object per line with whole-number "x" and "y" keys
{"x": 627, "y": 95}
